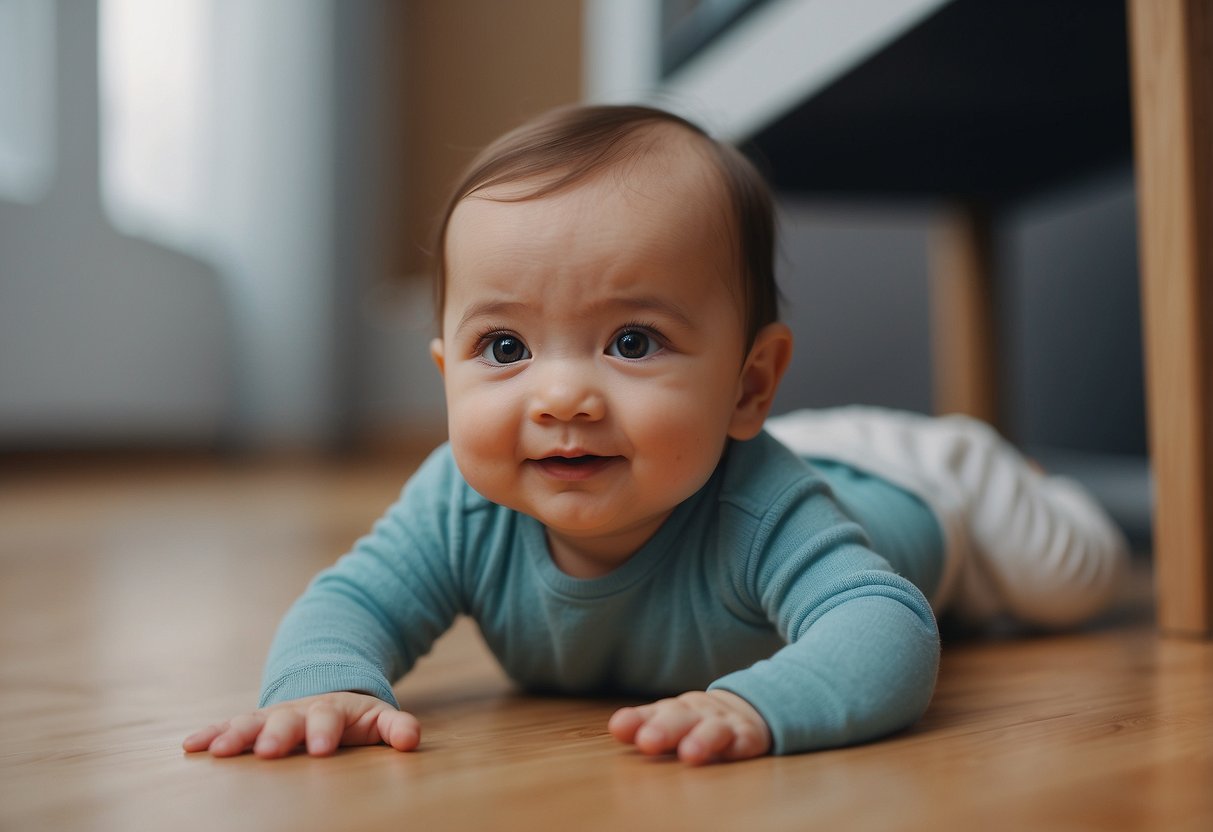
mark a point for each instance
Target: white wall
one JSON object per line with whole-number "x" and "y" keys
{"x": 225, "y": 334}
{"x": 271, "y": 212}
{"x": 101, "y": 336}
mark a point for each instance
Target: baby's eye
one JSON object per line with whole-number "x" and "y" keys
{"x": 633, "y": 343}
{"x": 505, "y": 349}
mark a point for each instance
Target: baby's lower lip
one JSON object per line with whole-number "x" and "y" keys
{"x": 576, "y": 467}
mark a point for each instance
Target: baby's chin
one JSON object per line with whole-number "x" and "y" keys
{"x": 595, "y": 520}
{"x": 575, "y": 523}
{"x": 623, "y": 533}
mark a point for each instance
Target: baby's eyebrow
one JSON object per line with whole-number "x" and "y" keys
{"x": 652, "y": 304}
{"x": 637, "y": 305}
{"x": 489, "y": 309}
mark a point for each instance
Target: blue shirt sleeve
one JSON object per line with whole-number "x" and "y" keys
{"x": 365, "y": 621}
{"x": 862, "y": 648}
{"x": 864, "y": 669}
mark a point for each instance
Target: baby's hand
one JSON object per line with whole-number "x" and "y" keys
{"x": 324, "y": 722}
{"x": 701, "y": 727}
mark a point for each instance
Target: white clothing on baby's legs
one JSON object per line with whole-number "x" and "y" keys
{"x": 1018, "y": 542}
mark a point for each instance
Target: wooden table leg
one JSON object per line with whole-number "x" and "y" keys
{"x": 963, "y": 340}
{"x": 1172, "y": 64}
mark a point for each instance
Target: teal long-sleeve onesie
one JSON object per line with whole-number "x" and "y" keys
{"x": 766, "y": 583}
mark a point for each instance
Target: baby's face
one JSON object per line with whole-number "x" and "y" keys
{"x": 591, "y": 347}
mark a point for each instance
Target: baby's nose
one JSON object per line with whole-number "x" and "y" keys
{"x": 566, "y": 392}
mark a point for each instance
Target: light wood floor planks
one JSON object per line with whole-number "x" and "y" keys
{"x": 137, "y": 600}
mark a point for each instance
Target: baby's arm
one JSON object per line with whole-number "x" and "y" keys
{"x": 327, "y": 680}
{"x": 360, "y": 625}
{"x": 322, "y": 723}
{"x": 860, "y": 662}
{"x": 328, "y": 677}
{"x": 864, "y": 669}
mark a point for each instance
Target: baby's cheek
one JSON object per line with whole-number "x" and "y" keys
{"x": 483, "y": 442}
{"x": 475, "y": 437}
{"x": 685, "y": 450}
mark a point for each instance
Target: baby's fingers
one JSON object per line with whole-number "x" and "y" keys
{"x": 399, "y": 729}
{"x": 281, "y": 734}
{"x": 725, "y": 740}
{"x": 656, "y": 728}
{"x": 699, "y": 726}
{"x": 201, "y": 740}
{"x": 709, "y": 740}
{"x": 664, "y": 730}
{"x": 240, "y": 735}
{"x": 325, "y": 726}
{"x": 625, "y": 722}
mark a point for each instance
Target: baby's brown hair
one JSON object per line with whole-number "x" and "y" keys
{"x": 564, "y": 146}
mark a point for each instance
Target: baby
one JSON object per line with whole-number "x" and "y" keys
{"x": 615, "y": 511}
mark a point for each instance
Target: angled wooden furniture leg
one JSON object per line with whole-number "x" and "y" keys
{"x": 1172, "y": 66}
{"x": 963, "y": 343}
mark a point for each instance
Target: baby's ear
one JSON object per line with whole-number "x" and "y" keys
{"x": 764, "y": 367}
{"x": 438, "y": 354}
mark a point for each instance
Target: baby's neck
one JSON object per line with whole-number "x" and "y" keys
{"x": 595, "y": 556}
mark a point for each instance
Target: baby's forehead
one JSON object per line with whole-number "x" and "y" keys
{"x": 637, "y": 223}
{"x": 671, "y": 203}
{"x": 670, "y": 156}
{"x": 662, "y": 167}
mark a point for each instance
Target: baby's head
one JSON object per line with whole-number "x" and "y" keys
{"x": 608, "y": 321}
{"x": 569, "y": 145}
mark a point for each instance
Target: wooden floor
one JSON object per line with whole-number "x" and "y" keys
{"x": 137, "y": 600}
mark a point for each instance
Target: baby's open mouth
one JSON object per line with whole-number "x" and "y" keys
{"x": 575, "y": 467}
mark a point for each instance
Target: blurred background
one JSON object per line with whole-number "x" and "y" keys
{"x": 214, "y": 214}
